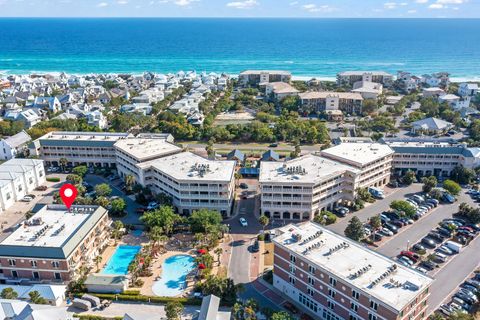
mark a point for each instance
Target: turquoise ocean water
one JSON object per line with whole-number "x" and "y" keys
{"x": 307, "y": 47}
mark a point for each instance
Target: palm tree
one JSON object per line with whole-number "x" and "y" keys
{"x": 63, "y": 163}
{"x": 155, "y": 235}
{"x": 116, "y": 230}
{"x": 8, "y": 293}
{"x": 98, "y": 259}
{"x": 264, "y": 221}
{"x": 129, "y": 182}
{"x": 218, "y": 251}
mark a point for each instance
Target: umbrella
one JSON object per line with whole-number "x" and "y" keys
{"x": 202, "y": 251}
{"x": 201, "y": 266}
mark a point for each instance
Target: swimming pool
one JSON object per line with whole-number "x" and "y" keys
{"x": 120, "y": 260}
{"x": 173, "y": 277}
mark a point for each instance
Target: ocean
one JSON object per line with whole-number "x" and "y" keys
{"x": 306, "y": 47}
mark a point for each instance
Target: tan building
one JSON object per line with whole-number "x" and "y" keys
{"x": 350, "y": 77}
{"x": 332, "y": 277}
{"x": 258, "y": 77}
{"x": 279, "y": 90}
{"x": 315, "y": 101}
{"x": 54, "y": 243}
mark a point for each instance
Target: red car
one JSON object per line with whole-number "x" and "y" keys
{"x": 409, "y": 254}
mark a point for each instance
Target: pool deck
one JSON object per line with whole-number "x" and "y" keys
{"x": 157, "y": 271}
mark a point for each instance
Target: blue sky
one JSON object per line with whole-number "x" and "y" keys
{"x": 242, "y": 8}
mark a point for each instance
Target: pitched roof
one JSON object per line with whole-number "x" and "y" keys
{"x": 19, "y": 139}
{"x": 270, "y": 155}
{"x": 236, "y": 154}
{"x": 432, "y": 124}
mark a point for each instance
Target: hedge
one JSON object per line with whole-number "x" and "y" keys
{"x": 142, "y": 298}
{"x": 53, "y": 179}
{"x": 131, "y": 292}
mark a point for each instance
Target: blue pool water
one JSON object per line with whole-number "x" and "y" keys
{"x": 174, "y": 273}
{"x": 121, "y": 258}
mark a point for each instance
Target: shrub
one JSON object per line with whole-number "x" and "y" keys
{"x": 53, "y": 179}
{"x": 142, "y": 298}
{"x": 261, "y": 237}
{"x": 131, "y": 292}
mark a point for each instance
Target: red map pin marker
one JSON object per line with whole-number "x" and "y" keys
{"x": 68, "y": 193}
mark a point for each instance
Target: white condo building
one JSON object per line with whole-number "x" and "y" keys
{"x": 192, "y": 181}
{"x": 301, "y": 188}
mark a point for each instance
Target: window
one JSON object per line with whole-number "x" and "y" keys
{"x": 311, "y": 281}
{"x": 55, "y": 264}
{"x": 35, "y": 275}
{"x": 373, "y": 305}
{"x": 311, "y": 269}
{"x": 292, "y": 269}
{"x": 14, "y": 274}
{"x": 353, "y": 317}
{"x": 372, "y": 316}
{"x": 354, "y": 307}
{"x": 307, "y": 302}
{"x": 12, "y": 262}
{"x": 33, "y": 263}
{"x": 331, "y": 305}
{"x": 291, "y": 280}
{"x": 293, "y": 258}
{"x": 355, "y": 294}
{"x": 331, "y": 293}
{"x": 333, "y": 281}
{"x": 57, "y": 276}
{"x": 310, "y": 292}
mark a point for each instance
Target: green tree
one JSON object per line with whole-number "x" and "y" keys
{"x": 218, "y": 252}
{"x": 74, "y": 179}
{"x": 403, "y": 206}
{"x": 163, "y": 217}
{"x": 102, "y": 201}
{"x": 173, "y": 310}
{"x": 63, "y": 163}
{"x": 8, "y": 293}
{"x": 462, "y": 175}
{"x": 103, "y": 190}
{"x": 452, "y": 187}
{"x": 203, "y": 219}
{"x": 282, "y": 315}
{"x": 458, "y": 315}
{"x": 129, "y": 182}
{"x": 354, "y": 229}
{"x": 290, "y": 103}
{"x": 264, "y": 221}
{"x": 80, "y": 171}
{"x": 375, "y": 222}
{"x": 98, "y": 259}
{"x": 36, "y": 298}
{"x": 409, "y": 178}
{"x": 116, "y": 232}
{"x": 155, "y": 235}
{"x": 429, "y": 183}
{"x": 118, "y": 205}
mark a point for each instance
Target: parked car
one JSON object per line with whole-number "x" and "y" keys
{"x": 243, "y": 222}
{"x": 428, "y": 265}
{"x": 411, "y": 255}
{"x": 444, "y": 249}
{"x": 243, "y": 185}
{"x": 418, "y": 247}
{"x": 386, "y": 232}
{"x": 437, "y": 237}
{"x": 421, "y": 269}
{"x": 435, "y": 202}
{"x": 448, "y": 198}
{"x": 406, "y": 260}
{"x": 152, "y": 205}
{"x": 41, "y": 188}
{"x": 428, "y": 242}
{"x": 341, "y": 211}
{"x": 27, "y": 198}
{"x": 391, "y": 227}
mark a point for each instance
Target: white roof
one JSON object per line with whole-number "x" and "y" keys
{"x": 345, "y": 259}
{"x": 19, "y": 139}
{"x": 282, "y": 87}
{"x": 358, "y": 154}
{"x": 53, "y": 229}
{"x": 188, "y": 167}
{"x": 83, "y": 136}
{"x": 309, "y": 169}
{"x": 361, "y": 73}
{"x": 431, "y": 124}
{"x": 449, "y": 97}
{"x": 330, "y": 94}
{"x": 282, "y": 72}
{"x": 146, "y": 149}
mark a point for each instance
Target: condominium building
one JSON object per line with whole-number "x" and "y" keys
{"x": 332, "y": 277}
{"x": 257, "y": 77}
{"x": 427, "y": 156}
{"x": 348, "y": 102}
{"x": 18, "y": 177}
{"x": 301, "y": 188}
{"x": 350, "y": 77}
{"x": 54, "y": 243}
{"x": 90, "y": 148}
{"x": 192, "y": 181}
{"x": 132, "y": 151}
{"x": 373, "y": 160}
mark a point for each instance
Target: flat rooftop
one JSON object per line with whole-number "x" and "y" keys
{"x": 360, "y": 73}
{"x": 358, "y": 153}
{"x": 190, "y": 167}
{"x": 309, "y": 169}
{"x": 53, "y": 232}
{"x": 146, "y": 149}
{"x": 82, "y": 139}
{"x": 367, "y": 270}
{"x": 282, "y": 72}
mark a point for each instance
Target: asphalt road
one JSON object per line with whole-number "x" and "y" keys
{"x": 375, "y": 208}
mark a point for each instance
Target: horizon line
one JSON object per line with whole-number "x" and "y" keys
{"x": 260, "y": 17}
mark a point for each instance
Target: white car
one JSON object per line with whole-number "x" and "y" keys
{"x": 243, "y": 222}
{"x": 27, "y": 199}
{"x": 422, "y": 270}
{"x": 152, "y": 206}
{"x": 386, "y": 232}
